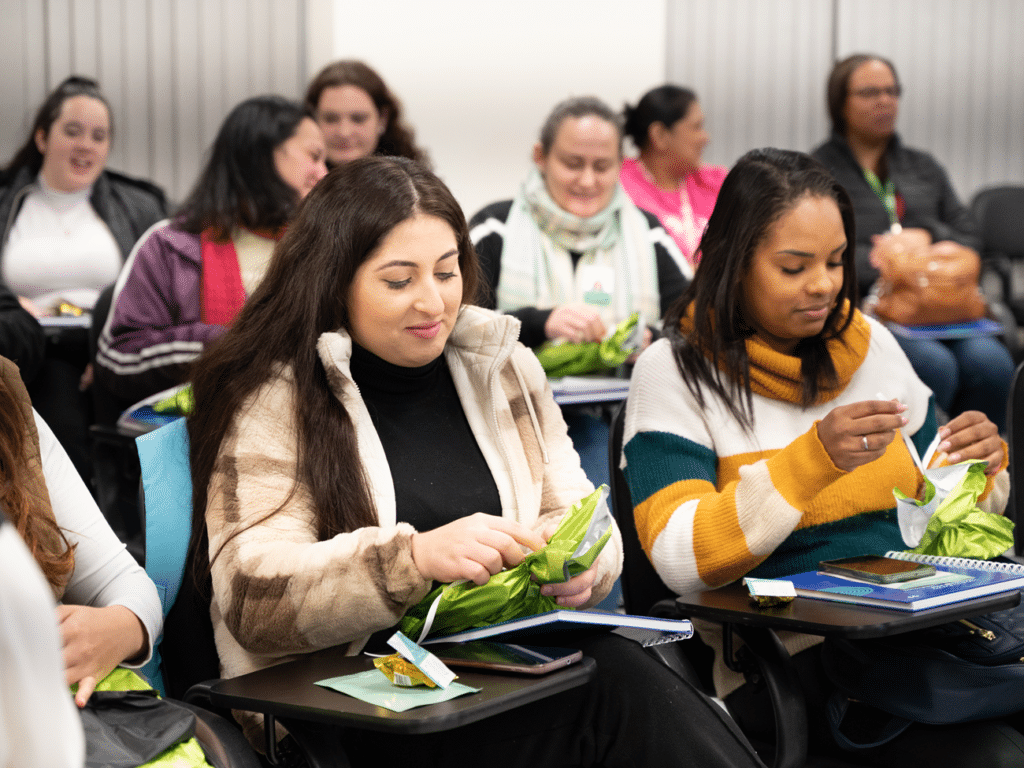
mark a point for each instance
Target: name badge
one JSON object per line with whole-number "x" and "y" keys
{"x": 597, "y": 284}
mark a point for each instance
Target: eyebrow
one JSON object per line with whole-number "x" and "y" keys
{"x": 400, "y": 263}
{"x": 808, "y": 255}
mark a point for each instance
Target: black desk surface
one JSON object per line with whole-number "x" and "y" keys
{"x": 288, "y": 691}
{"x": 731, "y": 604}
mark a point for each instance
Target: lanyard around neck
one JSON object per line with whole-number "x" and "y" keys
{"x": 886, "y": 193}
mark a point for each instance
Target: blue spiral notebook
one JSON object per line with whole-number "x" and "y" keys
{"x": 956, "y": 579}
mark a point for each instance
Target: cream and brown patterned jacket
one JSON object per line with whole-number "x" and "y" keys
{"x": 278, "y": 592}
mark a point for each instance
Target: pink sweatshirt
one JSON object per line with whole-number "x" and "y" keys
{"x": 701, "y": 189}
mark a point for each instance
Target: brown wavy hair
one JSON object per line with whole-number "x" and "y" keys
{"x": 305, "y": 294}
{"x": 398, "y": 139}
{"x": 29, "y": 513}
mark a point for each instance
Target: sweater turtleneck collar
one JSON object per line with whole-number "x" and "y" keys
{"x": 374, "y": 374}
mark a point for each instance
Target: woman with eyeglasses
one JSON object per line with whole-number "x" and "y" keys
{"x": 903, "y": 195}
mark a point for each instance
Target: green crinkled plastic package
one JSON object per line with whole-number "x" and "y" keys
{"x": 511, "y": 594}
{"x": 957, "y": 527}
{"x": 570, "y": 359}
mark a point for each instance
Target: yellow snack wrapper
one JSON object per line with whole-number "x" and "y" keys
{"x": 402, "y": 672}
{"x": 67, "y": 309}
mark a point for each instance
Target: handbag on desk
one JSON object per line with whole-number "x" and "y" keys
{"x": 952, "y": 673}
{"x": 927, "y": 284}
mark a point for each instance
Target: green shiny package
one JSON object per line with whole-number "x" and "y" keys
{"x": 947, "y": 521}
{"x": 565, "y": 358}
{"x": 514, "y": 593}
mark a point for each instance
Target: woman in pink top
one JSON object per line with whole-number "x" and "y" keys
{"x": 668, "y": 179}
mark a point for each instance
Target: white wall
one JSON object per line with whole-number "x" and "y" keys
{"x": 477, "y": 78}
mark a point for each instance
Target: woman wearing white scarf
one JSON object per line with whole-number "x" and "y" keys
{"x": 572, "y": 256}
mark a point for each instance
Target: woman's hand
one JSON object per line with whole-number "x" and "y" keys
{"x": 859, "y": 433}
{"x": 577, "y": 590}
{"x": 95, "y": 641}
{"x": 474, "y": 547}
{"x": 30, "y": 306}
{"x": 575, "y": 322}
{"x": 972, "y": 436}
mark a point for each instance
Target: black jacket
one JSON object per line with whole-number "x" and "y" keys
{"x": 929, "y": 198}
{"x": 128, "y": 206}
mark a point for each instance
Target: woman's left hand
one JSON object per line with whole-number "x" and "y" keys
{"x": 972, "y": 436}
{"x": 577, "y": 590}
{"x": 95, "y": 641}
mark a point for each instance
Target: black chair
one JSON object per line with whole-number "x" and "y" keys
{"x": 115, "y": 460}
{"x": 762, "y": 659}
{"x": 1015, "y": 439}
{"x": 999, "y": 213}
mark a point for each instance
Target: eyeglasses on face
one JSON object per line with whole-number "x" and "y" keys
{"x": 892, "y": 91}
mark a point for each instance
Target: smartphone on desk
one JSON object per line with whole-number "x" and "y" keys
{"x": 876, "y": 569}
{"x": 506, "y": 657}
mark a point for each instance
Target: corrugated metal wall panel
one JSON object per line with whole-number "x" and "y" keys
{"x": 760, "y": 66}
{"x": 962, "y": 68}
{"x": 171, "y": 69}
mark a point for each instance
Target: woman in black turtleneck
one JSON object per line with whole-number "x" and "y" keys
{"x": 363, "y": 431}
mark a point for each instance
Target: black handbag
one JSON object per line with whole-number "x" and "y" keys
{"x": 952, "y": 673}
{"x": 124, "y": 729}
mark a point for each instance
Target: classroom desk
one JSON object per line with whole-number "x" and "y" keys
{"x": 288, "y": 692}
{"x": 731, "y": 606}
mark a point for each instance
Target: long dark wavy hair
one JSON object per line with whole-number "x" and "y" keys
{"x": 304, "y": 294}
{"x": 239, "y": 186}
{"x": 28, "y": 513}
{"x": 28, "y": 155}
{"x": 398, "y": 138}
{"x": 762, "y": 186}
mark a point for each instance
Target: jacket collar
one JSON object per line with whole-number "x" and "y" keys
{"x": 480, "y": 337}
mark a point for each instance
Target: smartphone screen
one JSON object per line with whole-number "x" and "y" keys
{"x": 877, "y": 569}
{"x": 505, "y": 657}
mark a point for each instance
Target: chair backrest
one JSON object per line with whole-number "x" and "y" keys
{"x": 641, "y": 585}
{"x": 186, "y": 654}
{"x": 999, "y": 213}
{"x": 1015, "y": 429}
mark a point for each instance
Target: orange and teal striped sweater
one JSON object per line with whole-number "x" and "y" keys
{"x": 714, "y": 502}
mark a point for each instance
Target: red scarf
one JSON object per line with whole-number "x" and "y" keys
{"x": 223, "y": 294}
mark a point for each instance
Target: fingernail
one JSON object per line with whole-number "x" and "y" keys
{"x": 954, "y": 458}
{"x": 944, "y": 432}
{"x": 903, "y": 420}
{"x": 944, "y": 446}
{"x": 901, "y": 407}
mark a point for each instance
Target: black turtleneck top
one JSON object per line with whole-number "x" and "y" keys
{"x": 439, "y": 472}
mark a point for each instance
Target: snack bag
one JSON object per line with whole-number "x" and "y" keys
{"x": 572, "y": 549}
{"x": 565, "y": 358}
{"x": 948, "y": 521}
{"x": 182, "y": 402}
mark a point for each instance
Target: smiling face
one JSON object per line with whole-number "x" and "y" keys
{"x": 351, "y": 123}
{"x": 299, "y": 159}
{"x": 686, "y": 139}
{"x": 795, "y": 274}
{"x": 581, "y": 168}
{"x": 872, "y": 102}
{"x": 405, "y": 298}
{"x": 76, "y": 147}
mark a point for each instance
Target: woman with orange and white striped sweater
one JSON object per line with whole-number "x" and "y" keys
{"x": 761, "y": 431}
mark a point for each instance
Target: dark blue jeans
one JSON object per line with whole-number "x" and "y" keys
{"x": 964, "y": 374}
